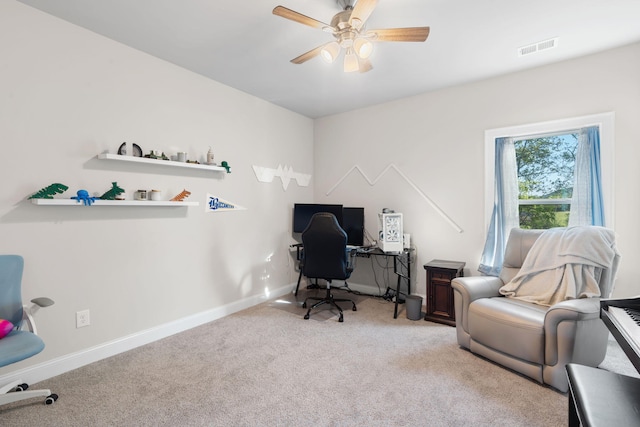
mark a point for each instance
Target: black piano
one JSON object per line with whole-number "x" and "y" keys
{"x": 622, "y": 317}
{"x": 601, "y": 398}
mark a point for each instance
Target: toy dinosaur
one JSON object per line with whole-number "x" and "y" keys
{"x": 226, "y": 165}
{"x": 113, "y": 192}
{"x": 50, "y": 191}
{"x": 183, "y": 194}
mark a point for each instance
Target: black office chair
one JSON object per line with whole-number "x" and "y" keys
{"x": 325, "y": 257}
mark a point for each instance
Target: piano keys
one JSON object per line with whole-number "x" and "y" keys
{"x": 622, "y": 318}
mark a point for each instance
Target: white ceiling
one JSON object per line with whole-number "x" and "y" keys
{"x": 242, "y": 44}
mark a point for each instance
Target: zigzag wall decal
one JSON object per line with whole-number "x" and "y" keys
{"x": 411, "y": 183}
{"x": 286, "y": 174}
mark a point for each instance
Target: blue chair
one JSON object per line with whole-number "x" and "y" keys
{"x": 21, "y": 342}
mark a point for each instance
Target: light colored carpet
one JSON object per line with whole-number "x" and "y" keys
{"x": 266, "y": 366}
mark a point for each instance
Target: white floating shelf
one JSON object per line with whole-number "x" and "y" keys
{"x": 134, "y": 159}
{"x": 73, "y": 202}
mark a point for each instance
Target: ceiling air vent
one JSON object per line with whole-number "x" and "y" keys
{"x": 537, "y": 47}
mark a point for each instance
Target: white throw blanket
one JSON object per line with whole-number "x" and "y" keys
{"x": 565, "y": 263}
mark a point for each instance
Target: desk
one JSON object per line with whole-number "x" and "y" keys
{"x": 401, "y": 266}
{"x": 397, "y": 268}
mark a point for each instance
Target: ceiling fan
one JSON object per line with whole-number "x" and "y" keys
{"x": 348, "y": 28}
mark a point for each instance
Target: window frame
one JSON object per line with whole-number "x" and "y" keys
{"x": 605, "y": 123}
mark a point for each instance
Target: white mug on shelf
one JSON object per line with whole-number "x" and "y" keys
{"x": 156, "y": 195}
{"x": 182, "y": 156}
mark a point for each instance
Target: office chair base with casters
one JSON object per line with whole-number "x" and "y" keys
{"x": 18, "y": 390}
{"x": 328, "y": 299}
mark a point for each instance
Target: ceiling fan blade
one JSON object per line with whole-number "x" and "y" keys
{"x": 298, "y": 17}
{"x": 308, "y": 55}
{"x": 361, "y": 12}
{"x": 411, "y": 34}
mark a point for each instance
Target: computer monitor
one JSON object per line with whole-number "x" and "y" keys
{"x": 353, "y": 225}
{"x": 302, "y": 213}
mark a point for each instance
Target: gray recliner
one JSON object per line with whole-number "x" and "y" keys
{"x": 535, "y": 340}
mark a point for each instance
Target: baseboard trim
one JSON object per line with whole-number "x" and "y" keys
{"x": 60, "y": 365}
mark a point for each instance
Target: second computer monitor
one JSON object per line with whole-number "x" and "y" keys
{"x": 353, "y": 225}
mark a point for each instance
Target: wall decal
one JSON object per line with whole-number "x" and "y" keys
{"x": 285, "y": 173}
{"x": 411, "y": 183}
{"x": 216, "y": 204}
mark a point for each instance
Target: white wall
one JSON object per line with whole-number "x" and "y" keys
{"x": 67, "y": 94}
{"x": 437, "y": 140}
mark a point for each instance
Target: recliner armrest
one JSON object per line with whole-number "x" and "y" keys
{"x": 465, "y": 291}
{"x": 573, "y": 309}
{"x": 474, "y": 287}
{"x": 563, "y": 322}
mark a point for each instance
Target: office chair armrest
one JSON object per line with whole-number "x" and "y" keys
{"x": 28, "y": 323}
{"x": 43, "y": 301}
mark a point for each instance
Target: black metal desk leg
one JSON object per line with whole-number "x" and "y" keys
{"x": 298, "y": 285}
{"x": 395, "y": 269}
{"x": 408, "y": 272}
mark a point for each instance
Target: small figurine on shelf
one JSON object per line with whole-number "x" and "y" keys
{"x": 113, "y": 193}
{"x": 181, "y": 196}
{"x": 155, "y": 154}
{"x": 226, "y": 165}
{"x": 83, "y": 196}
{"x": 49, "y": 191}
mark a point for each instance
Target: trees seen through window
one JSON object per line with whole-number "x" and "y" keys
{"x": 545, "y": 179}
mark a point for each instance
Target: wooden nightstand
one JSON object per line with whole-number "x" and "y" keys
{"x": 440, "y": 273}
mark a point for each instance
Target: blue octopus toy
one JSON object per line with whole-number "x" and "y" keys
{"x": 83, "y": 195}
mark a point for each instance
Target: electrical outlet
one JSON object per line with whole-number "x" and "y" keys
{"x": 82, "y": 319}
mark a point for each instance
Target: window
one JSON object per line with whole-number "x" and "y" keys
{"x": 536, "y": 194}
{"x": 545, "y": 167}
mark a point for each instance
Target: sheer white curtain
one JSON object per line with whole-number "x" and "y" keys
{"x": 587, "y": 207}
{"x": 505, "y": 208}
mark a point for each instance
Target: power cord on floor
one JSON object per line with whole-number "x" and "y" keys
{"x": 389, "y": 295}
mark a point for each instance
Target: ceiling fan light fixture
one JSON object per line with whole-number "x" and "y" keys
{"x": 351, "y": 62}
{"x": 363, "y": 47}
{"x": 330, "y": 52}
{"x": 349, "y": 30}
